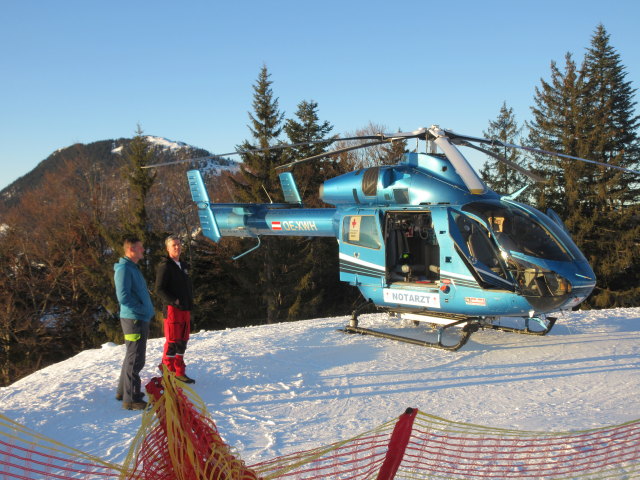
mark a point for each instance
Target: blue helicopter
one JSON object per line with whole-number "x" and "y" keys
{"x": 427, "y": 240}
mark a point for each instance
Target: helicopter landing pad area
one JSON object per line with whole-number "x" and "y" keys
{"x": 283, "y": 388}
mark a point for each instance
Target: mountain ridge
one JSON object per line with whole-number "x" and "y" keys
{"x": 105, "y": 155}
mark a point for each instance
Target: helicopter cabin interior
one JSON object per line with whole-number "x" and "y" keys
{"x": 412, "y": 251}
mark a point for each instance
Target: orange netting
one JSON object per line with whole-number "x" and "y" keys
{"x": 179, "y": 441}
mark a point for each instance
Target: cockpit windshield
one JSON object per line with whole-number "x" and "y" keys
{"x": 517, "y": 230}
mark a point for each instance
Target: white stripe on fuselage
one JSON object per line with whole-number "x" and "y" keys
{"x": 457, "y": 275}
{"x": 352, "y": 259}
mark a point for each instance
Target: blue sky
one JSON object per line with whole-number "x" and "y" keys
{"x": 82, "y": 71}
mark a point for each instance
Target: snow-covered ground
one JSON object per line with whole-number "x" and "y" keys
{"x": 278, "y": 389}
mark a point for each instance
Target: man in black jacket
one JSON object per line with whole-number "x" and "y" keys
{"x": 174, "y": 288}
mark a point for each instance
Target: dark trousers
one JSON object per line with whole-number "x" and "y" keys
{"x": 134, "y": 359}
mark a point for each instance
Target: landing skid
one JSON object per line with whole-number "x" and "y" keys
{"x": 470, "y": 325}
{"x": 546, "y": 325}
{"x": 466, "y": 326}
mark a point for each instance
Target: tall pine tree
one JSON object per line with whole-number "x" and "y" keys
{"x": 610, "y": 135}
{"x": 308, "y": 128}
{"x": 260, "y": 180}
{"x": 497, "y": 175}
{"x": 263, "y": 271}
{"x": 590, "y": 113}
{"x": 314, "y": 262}
{"x": 553, "y": 128}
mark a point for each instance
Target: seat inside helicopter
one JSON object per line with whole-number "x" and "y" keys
{"x": 412, "y": 250}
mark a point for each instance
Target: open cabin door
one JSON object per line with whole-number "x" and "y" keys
{"x": 362, "y": 248}
{"x": 412, "y": 250}
{"x": 475, "y": 244}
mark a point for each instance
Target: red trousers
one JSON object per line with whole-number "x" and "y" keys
{"x": 176, "y": 332}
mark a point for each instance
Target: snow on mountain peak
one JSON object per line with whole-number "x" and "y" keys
{"x": 160, "y": 142}
{"x": 165, "y": 144}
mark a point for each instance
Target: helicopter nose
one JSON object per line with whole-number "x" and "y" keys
{"x": 583, "y": 282}
{"x": 559, "y": 288}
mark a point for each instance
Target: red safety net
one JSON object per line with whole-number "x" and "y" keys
{"x": 27, "y": 455}
{"x": 179, "y": 441}
{"x": 444, "y": 449}
{"x": 441, "y": 449}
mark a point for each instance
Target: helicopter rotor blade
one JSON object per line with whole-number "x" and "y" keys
{"x": 242, "y": 152}
{"x": 500, "y": 158}
{"x": 381, "y": 137}
{"x": 333, "y": 152}
{"x": 421, "y": 133}
{"x": 571, "y": 157}
{"x": 457, "y": 138}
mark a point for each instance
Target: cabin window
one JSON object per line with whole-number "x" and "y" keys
{"x": 361, "y": 230}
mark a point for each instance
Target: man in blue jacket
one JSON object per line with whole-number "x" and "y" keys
{"x": 136, "y": 311}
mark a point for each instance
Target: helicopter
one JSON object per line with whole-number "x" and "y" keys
{"x": 426, "y": 239}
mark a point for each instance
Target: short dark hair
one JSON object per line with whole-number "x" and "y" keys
{"x": 129, "y": 241}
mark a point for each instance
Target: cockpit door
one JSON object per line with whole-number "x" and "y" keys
{"x": 474, "y": 243}
{"x": 362, "y": 248}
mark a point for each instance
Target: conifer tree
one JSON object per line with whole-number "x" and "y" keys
{"x": 392, "y": 152}
{"x": 610, "y": 135}
{"x": 384, "y": 154}
{"x": 258, "y": 168}
{"x": 307, "y": 128}
{"x": 555, "y": 115}
{"x": 497, "y": 175}
{"x": 314, "y": 261}
{"x": 139, "y": 154}
{"x": 263, "y": 269}
{"x": 590, "y": 113}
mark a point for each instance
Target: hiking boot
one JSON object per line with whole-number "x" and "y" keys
{"x": 134, "y": 405}
{"x": 185, "y": 379}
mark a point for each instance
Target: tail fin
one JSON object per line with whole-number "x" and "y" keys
{"x": 201, "y": 198}
{"x": 289, "y": 188}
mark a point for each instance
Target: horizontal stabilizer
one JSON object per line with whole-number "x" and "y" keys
{"x": 201, "y": 198}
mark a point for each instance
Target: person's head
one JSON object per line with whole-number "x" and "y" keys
{"x": 174, "y": 247}
{"x": 133, "y": 248}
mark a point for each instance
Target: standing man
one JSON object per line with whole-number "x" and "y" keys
{"x": 174, "y": 288}
{"x": 136, "y": 311}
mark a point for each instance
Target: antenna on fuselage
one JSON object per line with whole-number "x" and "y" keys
{"x": 267, "y": 194}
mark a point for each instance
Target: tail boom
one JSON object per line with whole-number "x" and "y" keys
{"x": 254, "y": 220}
